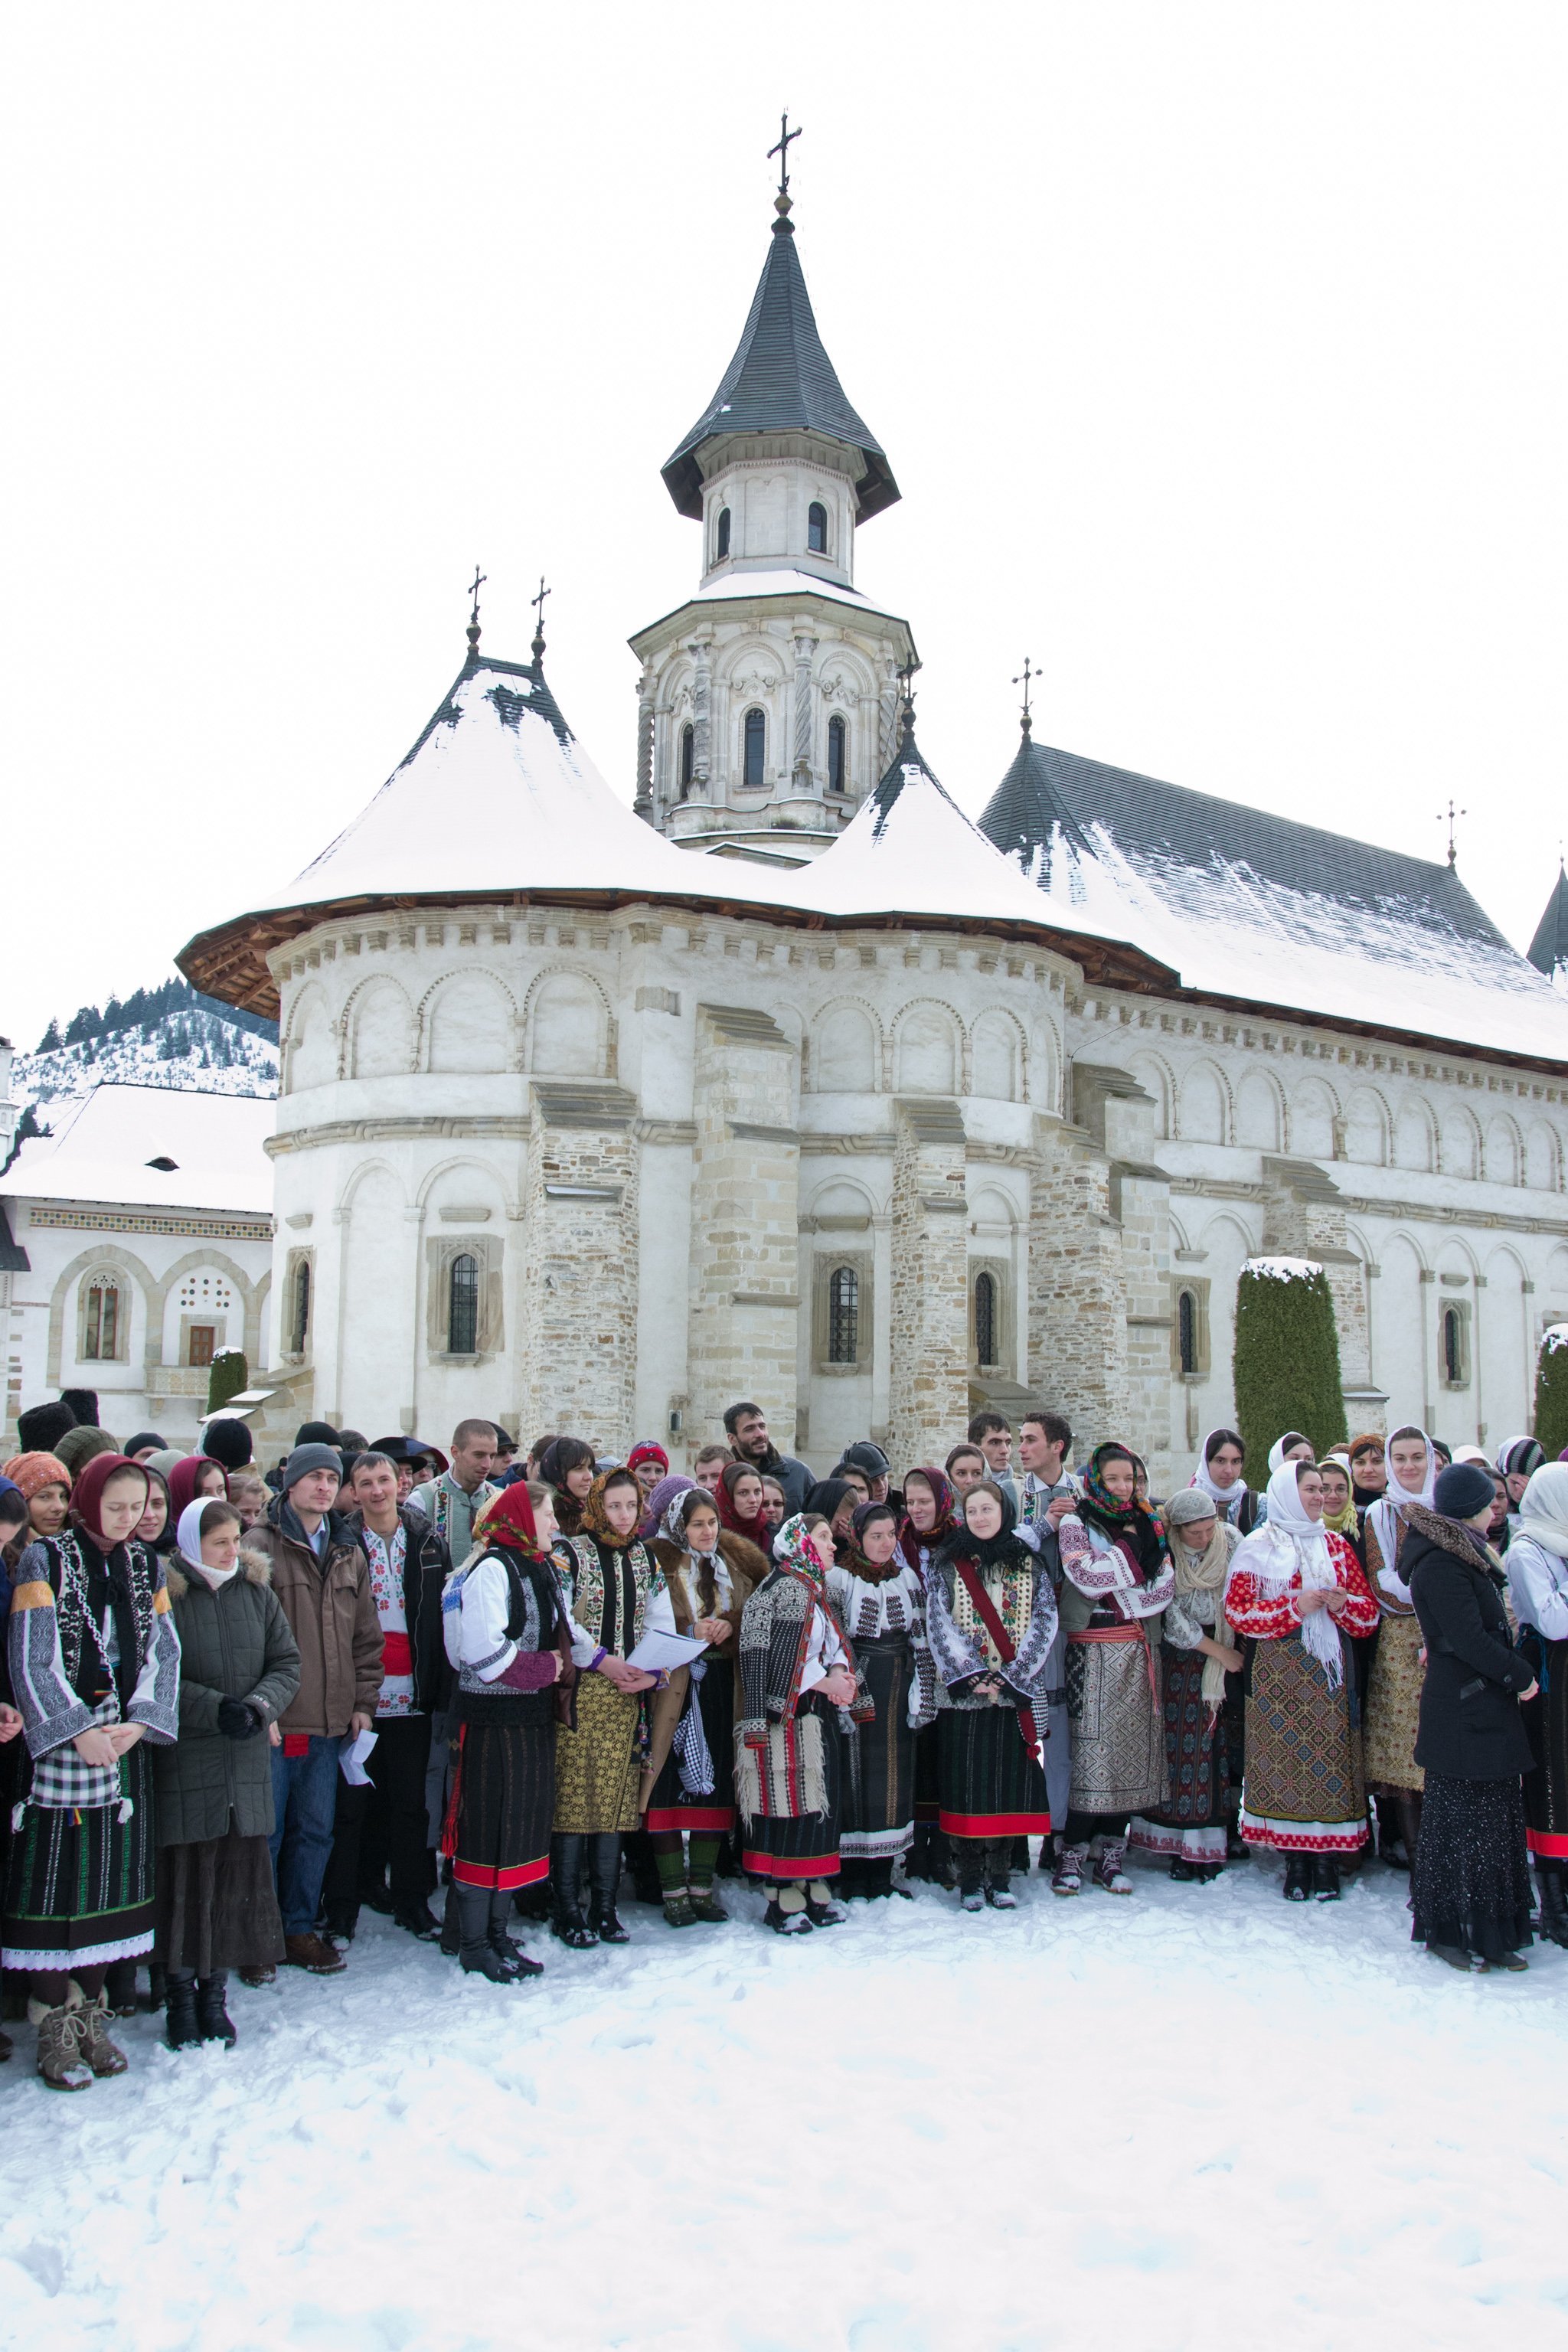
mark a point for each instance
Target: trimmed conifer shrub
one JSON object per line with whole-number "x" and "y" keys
{"x": 1286, "y": 1366}
{"x": 230, "y": 1374}
{"x": 1551, "y": 1392}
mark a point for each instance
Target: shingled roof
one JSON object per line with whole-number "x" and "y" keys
{"x": 1549, "y": 947}
{"x": 780, "y": 381}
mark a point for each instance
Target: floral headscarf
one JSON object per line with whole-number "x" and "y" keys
{"x": 595, "y": 1520}
{"x": 1131, "y": 1523}
{"x": 683, "y": 1510}
{"x": 795, "y": 1554}
{"x": 507, "y": 1523}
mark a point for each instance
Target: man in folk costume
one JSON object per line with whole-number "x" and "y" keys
{"x": 1118, "y": 1582}
{"x": 991, "y": 1618}
{"x": 1294, "y": 1591}
{"x": 609, "y": 1578}
{"x": 1394, "y": 1685}
{"x": 1049, "y": 1492}
{"x": 1198, "y": 1653}
{"x": 94, "y": 1663}
{"x": 798, "y": 1683}
{"x": 1537, "y": 1565}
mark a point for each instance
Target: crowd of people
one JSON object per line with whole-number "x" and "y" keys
{"x": 237, "y": 1709}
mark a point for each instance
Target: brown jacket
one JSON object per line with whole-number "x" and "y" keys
{"x": 331, "y": 1614}
{"x": 747, "y": 1566}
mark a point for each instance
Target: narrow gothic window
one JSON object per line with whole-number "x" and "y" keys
{"x": 817, "y": 528}
{"x": 756, "y": 745}
{"x": 985, "y": 1318}
{"x": 463, "y": 1298}
{"x": 1187, "y": 1331}
{"x": 723, "y": 534}
{"x": 688, "y": 756}
{"x": 843, "y": 1316}
{"x": 102, "y": 1324}
{"x": 301, "y": 1305}
{"x": 838, "y": 736}
{"x": 1453, "y": 1348}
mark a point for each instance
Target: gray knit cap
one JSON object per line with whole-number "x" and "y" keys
{"x": 306, "y": 1458}
{"x": 1191, "y": 1504}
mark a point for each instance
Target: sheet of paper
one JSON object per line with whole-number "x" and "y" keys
{"x": 353, "y": 1756}
{"x": 661, "y": 1652}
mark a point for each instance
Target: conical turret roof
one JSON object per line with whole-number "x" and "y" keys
{"x": 781, "y": 380}
{"x": 1549, "y": 947}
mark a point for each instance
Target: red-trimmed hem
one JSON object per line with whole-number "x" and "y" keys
{"x": 1550, "y": 1844}
{"x": 705, "y": 1818}
{"x": 775, "y": 1866}
{"x": 991, "y": 1825}
{"x": 501, "y": 1882}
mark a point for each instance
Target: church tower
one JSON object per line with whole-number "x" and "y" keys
{"x": 768, "y": 702}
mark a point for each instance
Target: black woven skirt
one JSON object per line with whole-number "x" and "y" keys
{"x": 879, "y": 1821}
{"x": 991, "y": 1787}
{"x": 1546, "y": 1728}
{"x": 1472, "y": 1879}
{"x": 217, "y": 1905}
{"x": 80, "y": 1884}
{"x": 671, "y": 1806}
{"x": 503, "y": 1800}
{"x": 800, "y": 1846}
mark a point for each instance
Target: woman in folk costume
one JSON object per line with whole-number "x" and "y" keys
{"x": 1118, "y": 1580}
{"x": 510, "y": 1636}
{"x": 656, "y": 1507}
{"x": 687, "y": 1789}
{"x": 95, "y": 1670}
{"x": 609, "y": 1580}
{"x": 930, "y": 1514}
{"x": 1221, "y": 1474}
{"x": 1198, "y": 1652}
{"x": 881, "y": 1605}
{"x": 567, "y": 1466}
{"x": 1537, "y": 1565}
{"x": 1394, "y": 1687}
{"x": 1294, "y": 1593}
{"x": 45, "y": 1486}
{"x": 991, "y": 1619}
{"x": 798, "y": 1677}
{"x": 739, "y": 1500}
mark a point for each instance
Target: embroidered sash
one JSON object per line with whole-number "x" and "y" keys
{"x": 1002, "y": 1641}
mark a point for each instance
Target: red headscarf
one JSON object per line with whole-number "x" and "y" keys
{"x": 755, "y": 1529}
{"x": 86, "y": 1494}
{"x": 182, "y": 1483}
{"x": 507, "y": 1522}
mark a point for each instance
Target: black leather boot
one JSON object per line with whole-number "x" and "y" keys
{"x": 1554, "y": 1904}
{"x": 181, "y": 2031}
{"x": 1298, "y": 1875}
{"x": 476, "y": 1956}
{"x": 605, "y": 1869}
{"x": 501, "y": 1944}
{"x": 213, "y": 2021}
{"x": 566, "y": 1892}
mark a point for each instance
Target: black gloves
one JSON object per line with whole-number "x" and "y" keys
{"x": 236, "y": 1720}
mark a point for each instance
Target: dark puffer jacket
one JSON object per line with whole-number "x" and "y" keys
{"x": 1471, "y": 1729}
{"x": 235, "y": 1643}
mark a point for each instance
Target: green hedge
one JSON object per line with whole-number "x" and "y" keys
{"x": 229, "y": 1377}
{"x": 1286, "y": 1366}
{"x": 1551, "y": 1392}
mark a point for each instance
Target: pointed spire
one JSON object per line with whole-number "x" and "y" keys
{"x": 1549, "y": 947}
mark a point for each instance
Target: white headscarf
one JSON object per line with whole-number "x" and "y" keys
{"x": 1277, "y": 1451}
{"x": 1289, "y": 1545}
{"x": 1544, "y": 1508}
{"x": 1499, "y": 1461}
{"x": 188, "y": 1541}
{"x": 1385, "y": 1517}
{"x": 1227, "y": 1499}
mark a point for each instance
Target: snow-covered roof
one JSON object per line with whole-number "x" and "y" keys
{"x": 1263, "y": 910}
{"x": 105, "y": 1151}
{"x": 1549, "y": 947}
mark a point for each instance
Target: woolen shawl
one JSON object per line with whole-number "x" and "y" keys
{"x": 1544, "y": 1509}
{"x": 1287, "y": 1544}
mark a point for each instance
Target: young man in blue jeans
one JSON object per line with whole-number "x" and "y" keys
{"x": 322, "y": 1578}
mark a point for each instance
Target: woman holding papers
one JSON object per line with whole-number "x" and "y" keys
{"x": 880, "y": 1600}
{"x": 689, "y": 1777}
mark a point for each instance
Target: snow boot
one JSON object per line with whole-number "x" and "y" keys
{"x": 677, "y": 1910}
{"x": 1068, "y": 1875}
{"x": 605, "y": 1870}
{"x": 419, "y": 1921}
{"x": 213, "y": 2023}
{"x": 265, "y": 1975}
{"x": 1182, "y": 1871}
{"x": 181, "y": 2029}
{"x": 566, "y": 1887}
{"x": 820, "y": 1907}
{"x": 1325, "y": 1880}
{"x": 501, "y": 1944}
{"x": 1108, "y": 1870}
{"x": 707, "y": 1909}
{"x": 104, "y": 2056}
{"x": 62, "y": 2063}
{"x": 786, "y": 1913}
{"x": 1298, "y": 1875}
{"x": 476, "y": 1956}
{"x": 1553, "y": 1906}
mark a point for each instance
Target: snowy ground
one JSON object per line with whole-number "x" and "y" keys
{"x": 1197, "y": 2115}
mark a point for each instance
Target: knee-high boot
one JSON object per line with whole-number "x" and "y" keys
{"x": 565, "y": 1886}
{"x": 605, "y": 1870}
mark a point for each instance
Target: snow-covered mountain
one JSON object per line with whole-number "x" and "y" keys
{"x": 164, "y": 1036}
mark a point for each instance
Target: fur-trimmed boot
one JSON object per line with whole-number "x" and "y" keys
{"x": 62, "y": 2062}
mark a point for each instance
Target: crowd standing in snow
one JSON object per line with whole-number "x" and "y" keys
{"x": 235, "y": 1710}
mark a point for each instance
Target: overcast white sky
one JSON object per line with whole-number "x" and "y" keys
{"x": 1218, "y": 351}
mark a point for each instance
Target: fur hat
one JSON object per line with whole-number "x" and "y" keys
{"x": 83, "y": 1402}
{"x": 38, "y": 1430}
{"x": 228, "y": 1442}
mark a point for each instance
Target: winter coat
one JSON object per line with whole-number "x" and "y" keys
{"x": 331, "y": 1614}
{"x": 235, "y": 1643}
{"x": 427, "y": 1565}
{"x": 747, "y": 1566}
{"x": 1471, "y": 1729}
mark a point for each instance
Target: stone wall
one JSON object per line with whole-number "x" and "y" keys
{"x": 929, "y": 1401}
{"x": 578, "y": 1367}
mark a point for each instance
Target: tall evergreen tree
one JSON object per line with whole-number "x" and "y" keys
{"x": 1286, "y": 1361}
{"x": 1551, "y": 1392}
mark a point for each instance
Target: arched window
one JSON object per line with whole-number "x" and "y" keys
{"x": 463, "y": 1306}
{"x": 102, "y": 1324}
{"x": 985, "y": 1318}
{"x": 756, "y": 746}
{"x": 843, "y": 1316}
{"x": 817, "y": 528}
{"x": 301, "y": 1305}
{"x": 688, "y": 756}
{"x": 1187, "y": 1331}
{"x": 838, "y": 755}
{"x": 723, "y": 541}
{"x": 1453, "y": 1346}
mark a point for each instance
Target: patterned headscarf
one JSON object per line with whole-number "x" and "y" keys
{"x": 595, "y": 1520}
{"x": 946, "y": 1498}
{"x": 32, "y": 1472}
{"x": 507, "y": 1522}
{"x": 1130, "y": 1523}
{"x": 794, "y": 1553}
{"x": 683, "y": 1510}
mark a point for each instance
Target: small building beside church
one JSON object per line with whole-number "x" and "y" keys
{"x": 788, "y": 1081}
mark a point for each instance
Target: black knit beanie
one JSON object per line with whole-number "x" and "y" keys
{"x": 228, "y": 1442}
{"x": 1463, "y": 1491}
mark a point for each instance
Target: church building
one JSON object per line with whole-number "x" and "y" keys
{"x": 782, "y": 1079}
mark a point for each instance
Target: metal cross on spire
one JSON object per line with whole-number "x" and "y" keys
{"x": 538, "y": 603}
{"x": 478, "y": 582}
{"x": 782, "y": 151}
{"x": 1453, "y": 813}
{"x": 907, "y": 680}
{"x": 1024, "y": 678}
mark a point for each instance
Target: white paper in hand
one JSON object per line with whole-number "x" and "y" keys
{"x": 352, "y": 1759}
{"x": 662, "y": 1653}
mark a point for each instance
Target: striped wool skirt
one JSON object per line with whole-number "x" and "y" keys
{"x": 80, "y": 1883}
{"x": 504, "y": 1798}
{"x": 990, "y": 1786}
{"x": 790, "y": 1795}
{"x": 878, "y": 1821}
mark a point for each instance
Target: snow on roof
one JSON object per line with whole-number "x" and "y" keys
{"x": 1283, "y": 1269}
{"x": 105, "y": 1149}
{"x": 1555, "y": 1336}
